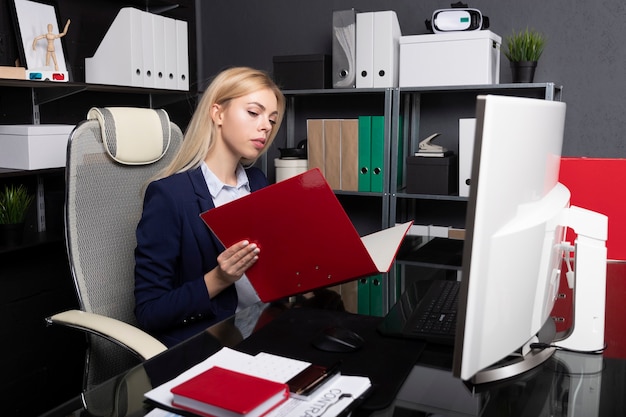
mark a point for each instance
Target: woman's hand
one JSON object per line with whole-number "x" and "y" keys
{"x": 236, "y": 260}
{"x": 232, "y": 264}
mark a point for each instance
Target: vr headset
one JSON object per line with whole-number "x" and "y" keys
{"x": 457, "y": 19}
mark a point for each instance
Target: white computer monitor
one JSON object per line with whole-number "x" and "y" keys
{"x": 513, "y": 250}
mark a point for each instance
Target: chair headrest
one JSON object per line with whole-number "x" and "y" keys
{"x": 131, "y": 135}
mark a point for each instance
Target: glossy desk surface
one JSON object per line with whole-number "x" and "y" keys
{"x": 411, "y": 379}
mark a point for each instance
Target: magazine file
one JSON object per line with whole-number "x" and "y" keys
{"x": 306, "y": 239}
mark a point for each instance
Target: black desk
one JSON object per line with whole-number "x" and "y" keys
{"x": 412, "y": 380}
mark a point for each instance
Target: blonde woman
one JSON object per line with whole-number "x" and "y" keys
{"x": 185, "y": 280}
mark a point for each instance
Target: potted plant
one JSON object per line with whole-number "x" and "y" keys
{"x": 14, "y": 202}
{"x": 523, "y": 50}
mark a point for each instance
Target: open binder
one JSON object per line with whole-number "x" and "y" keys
{"x": 307, "y": 240}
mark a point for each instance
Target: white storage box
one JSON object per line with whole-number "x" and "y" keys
{"x": 454, "y": 58}
{"x": 33, "y": 146}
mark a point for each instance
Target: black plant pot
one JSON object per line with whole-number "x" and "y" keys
{"x": 523, "y": 71}
{"x": 11, "y": 234}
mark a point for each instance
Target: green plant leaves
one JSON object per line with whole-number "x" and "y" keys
{"x": 14, "y": 201}
{"x": 525, "y": 45}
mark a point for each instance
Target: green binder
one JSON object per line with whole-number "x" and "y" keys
{"x": 365, "y": 152}
{"x": 363, "y": 296}
{"x": 378, "y": 147}
{"x": 376, "y": 295}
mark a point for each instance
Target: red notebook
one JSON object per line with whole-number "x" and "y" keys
{"x": 219, "y": 392}
{"x": 307, "y": 240}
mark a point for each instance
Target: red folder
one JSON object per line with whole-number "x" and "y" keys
{"x": 307, "y": 240}
{"x": 219, "y": 392}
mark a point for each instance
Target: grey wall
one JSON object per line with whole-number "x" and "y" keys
{"x": 585, "y": 51}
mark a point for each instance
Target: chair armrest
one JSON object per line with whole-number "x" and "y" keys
{"x": 123, "y": 334}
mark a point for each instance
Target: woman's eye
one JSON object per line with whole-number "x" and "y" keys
{"x": 252, "y": 113}
{"x": 273, "y": 122}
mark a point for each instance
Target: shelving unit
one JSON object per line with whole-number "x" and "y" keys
{"x": 429, "y": 110}
{"x": 423, "y": 112}
{"x": 35, "y": 279}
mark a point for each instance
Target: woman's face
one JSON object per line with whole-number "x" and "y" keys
{"x": 245, "y": 123}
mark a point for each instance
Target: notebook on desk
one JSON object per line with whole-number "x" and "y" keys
{"x": 307, "y": 240}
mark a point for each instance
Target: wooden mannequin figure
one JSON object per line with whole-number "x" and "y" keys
{"x": 50, "y": 37}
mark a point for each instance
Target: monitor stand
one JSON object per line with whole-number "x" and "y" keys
{"x": 588, "y": 282}
{"x": 525, "y": 360}
{"x": 589, "y": 285}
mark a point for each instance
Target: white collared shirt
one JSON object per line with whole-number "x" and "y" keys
{"x": 221, "y": 194}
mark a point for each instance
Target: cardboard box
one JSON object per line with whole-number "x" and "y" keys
{"x": 454, "y": 58}
{"x": 16, "y": 73}
{"x": 303, "y": 72}
{"x": 431, "y": 175}
{"x": 33, "y": 146}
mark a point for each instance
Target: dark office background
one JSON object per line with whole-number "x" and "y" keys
{"x": 585, "y": 51}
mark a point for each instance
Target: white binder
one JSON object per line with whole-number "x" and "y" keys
{"x": 158, "y": 46}
{"x": 171, "y": 54}
{"x": 386, "y": 49}
{"x": 147, "y": 50}
{"x": 182, "y": 57}
{"x": 466, "y": 153}
{"x": 364, "y": 50}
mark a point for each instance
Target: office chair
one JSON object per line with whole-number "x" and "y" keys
{"x": 110, "y": 159}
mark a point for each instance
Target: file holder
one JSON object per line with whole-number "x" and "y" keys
{"x": 344, "y": 48}
{"x": 141, "y": 49}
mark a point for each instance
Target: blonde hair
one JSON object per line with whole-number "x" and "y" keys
{"x": 200, "y": 135}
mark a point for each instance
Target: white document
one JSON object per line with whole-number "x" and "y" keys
{"x": 157, "y": 412}
{"x": 328, "y": 401}
{"x": 334, "y": 397}
{"x": 272, "y": 367}
{"x": 386, "y": 49}
{"x": 365, "y": 50}
{"x": 383, "y": 245}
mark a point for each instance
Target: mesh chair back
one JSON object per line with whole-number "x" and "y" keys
{"x": 103, "y": 205}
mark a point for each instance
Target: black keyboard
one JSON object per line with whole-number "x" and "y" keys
{"x": 430, "y": 317}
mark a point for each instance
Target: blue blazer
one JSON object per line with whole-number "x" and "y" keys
{"x": 174, "y": 251}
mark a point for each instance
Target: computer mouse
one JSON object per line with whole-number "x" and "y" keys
{"x": 338, "y": 339}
